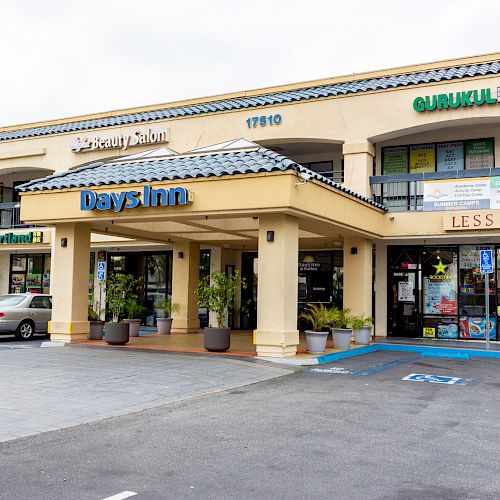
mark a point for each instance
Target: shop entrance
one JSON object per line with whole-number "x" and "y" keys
{"x": 403, "y": 300}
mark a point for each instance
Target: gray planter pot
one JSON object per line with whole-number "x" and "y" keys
{"x": 217, "y": 339}
{"x": 341, "y": 337}
{"x": 164, "y": 325}
{"x": 316, "y": 341}
{"x": 363, "y": 335}
{"x": 95, "y": 332}
{"x": 116, "y": 333}
{"x": 134, "y": 326}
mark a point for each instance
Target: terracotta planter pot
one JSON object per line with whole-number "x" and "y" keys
{"x": 116, "y": 333}
{"x": 316, "y": 341}
{"x": 341, "y": 337}
{"x": 95, "y": 332}
{"x": 363, "y": 335}
{"x": 164, "y": 325}
{"x": 217, "y": 339}
{"x": 134, "y": 326}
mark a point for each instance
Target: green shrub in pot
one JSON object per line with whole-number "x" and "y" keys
{"x": 319, "y": 317}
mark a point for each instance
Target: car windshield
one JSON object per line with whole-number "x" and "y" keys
{"x": 11, "y": 300}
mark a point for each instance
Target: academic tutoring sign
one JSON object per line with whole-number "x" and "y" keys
{"x": 148, "y": 197}
{"x": 462, "y": 194}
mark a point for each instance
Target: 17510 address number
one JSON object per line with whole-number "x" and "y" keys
{"x": 264, "y": 121}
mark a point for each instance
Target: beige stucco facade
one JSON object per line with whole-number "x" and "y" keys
{"x": 233, "y": 214}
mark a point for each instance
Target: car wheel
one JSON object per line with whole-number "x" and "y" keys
{"x": 25, "y": 330}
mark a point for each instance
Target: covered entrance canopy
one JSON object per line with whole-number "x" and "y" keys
{"x": 234, "y": 195}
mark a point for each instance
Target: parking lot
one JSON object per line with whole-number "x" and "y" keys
{"x": 357, "y": 429}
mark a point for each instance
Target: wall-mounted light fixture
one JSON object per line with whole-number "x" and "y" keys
{"x": 180, "y": 255}
{"x": 64, "y": 242}
{"x": 354, "y": 250}
{"x": 270, "y": 236}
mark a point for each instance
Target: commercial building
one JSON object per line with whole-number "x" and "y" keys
{"x": 375, "y": 190}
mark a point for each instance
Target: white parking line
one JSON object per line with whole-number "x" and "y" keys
{"x": 122, "y": 495}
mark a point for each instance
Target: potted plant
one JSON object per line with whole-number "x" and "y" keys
{"x": 116, "y": 333}
{"x": 135, "y": 312}
{"x": 340, "y": 321}
{"x": 319, "y": 319}
{"x": 362, "y": 328}
{"x": 167, "y": 307}
{"x": 217, "y": 292}
{"x": 96, "y": 324}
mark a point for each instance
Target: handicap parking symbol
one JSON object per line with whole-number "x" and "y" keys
{"x": 435, "y": 379}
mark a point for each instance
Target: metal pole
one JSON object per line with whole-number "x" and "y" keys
{"x": 487, "y": 309}
{"x": 100, "y": 298}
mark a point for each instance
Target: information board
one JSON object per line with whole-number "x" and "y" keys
{"x": 395, "y": 160}
{"x": 479, "y": 153}
{"x": 422, "y": 158}
{"x": 450, "y": 156}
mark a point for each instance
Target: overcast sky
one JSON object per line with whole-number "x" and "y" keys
{"x": 62, "y": 58}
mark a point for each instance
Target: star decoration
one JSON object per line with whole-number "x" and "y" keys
{"x": 440, "y": 268}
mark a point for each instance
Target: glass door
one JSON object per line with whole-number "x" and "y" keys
{"x": 403, "y": 293}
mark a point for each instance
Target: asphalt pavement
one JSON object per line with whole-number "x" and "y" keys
{"x": 355, "y": 431}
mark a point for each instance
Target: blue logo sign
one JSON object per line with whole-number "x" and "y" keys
{"x": 150, "y": 197}
{"x": 100, "y": 275}
{"x": 101, "y": 266}
{"x": 486, "y": 261}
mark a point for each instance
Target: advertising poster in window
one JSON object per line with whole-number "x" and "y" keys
{"x": 479, "y": 153}
{"x": 422, "y": 158}
{"x": 440, "y": 283}
{"x": 395, "y": 160}
{"x": 457, "y": 194}
{"x": 450, "y": 156}
{"x": 474, "y": 328}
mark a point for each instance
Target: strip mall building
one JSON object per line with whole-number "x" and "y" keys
{"x": 375, "y": 190}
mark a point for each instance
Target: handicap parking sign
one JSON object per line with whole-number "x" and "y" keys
{"x": 486, "y": 261}
{"x": 100, "y": 275}
{"x": 101, "y": 266}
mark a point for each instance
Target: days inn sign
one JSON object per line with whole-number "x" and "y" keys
{"x": 454, "y": 100}
{"x": 148, "y": 197}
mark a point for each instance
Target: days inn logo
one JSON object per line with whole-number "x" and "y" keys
{"x": 17, "y": 238}
{"x": 149, "y": 197}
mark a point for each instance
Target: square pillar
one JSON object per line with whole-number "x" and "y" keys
{"x": 185, "y": 277}
{"x": 358, "y": 167}
{"x": 70, "y": 283}
{"x": 277, "y": 288}
{"x": 381, "y": 274}
{"x": 358, "y": 275}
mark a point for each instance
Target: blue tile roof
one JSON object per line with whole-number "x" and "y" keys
{"x": 403, "y": 80}
{"x": 256, "y": 160}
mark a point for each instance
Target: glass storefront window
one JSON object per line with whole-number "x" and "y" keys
{"x": 439, "y": 269}
{"x": 30, "y": 273}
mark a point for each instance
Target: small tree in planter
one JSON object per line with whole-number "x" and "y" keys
{"x": 218, "y": 293}
{"x": 167, "y": 307}
{"x": 341, "y": 321}
{"x": 117, "y": 288}
{"x": 319, "y": 319}
{"x": 362, "y": 327}
{"x": 96, "y": 324}
{"x": 134, "y": 312}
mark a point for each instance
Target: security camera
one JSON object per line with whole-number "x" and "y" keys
{"x": 304, "y": 176}
{"x": 391, "y": 217}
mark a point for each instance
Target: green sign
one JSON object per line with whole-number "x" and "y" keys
{"x": 479, "y": 153}
{"x": 454, "y": 100}
{"x": 16, "y": 238}
{"x": 395, "y": 160}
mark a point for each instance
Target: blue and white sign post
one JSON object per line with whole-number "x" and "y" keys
{"x": 101, "y": 273}
{"x": 486, "y": 267}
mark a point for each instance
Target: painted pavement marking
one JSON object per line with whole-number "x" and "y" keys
{"x": 436, "y": 379}
{"x": 363, "y": 372}
{"x": 121, "y": 495}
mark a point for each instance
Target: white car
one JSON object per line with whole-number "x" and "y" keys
{"x": 25, "y": 314}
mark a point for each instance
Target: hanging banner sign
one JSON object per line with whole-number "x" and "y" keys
{"x": 450, "y": 156}
{"x": 457, "y": 194}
